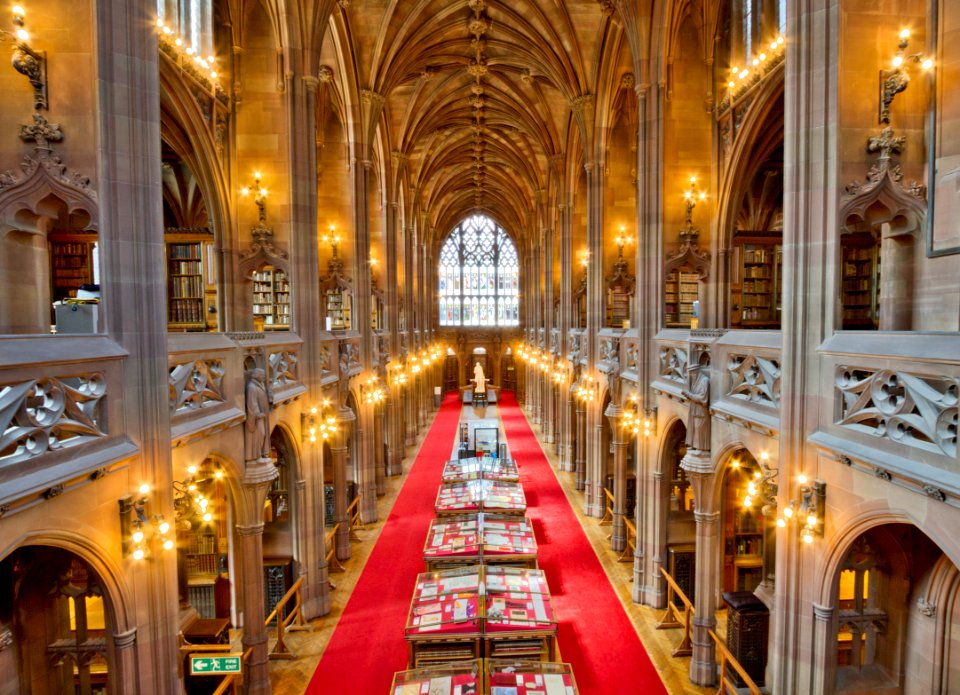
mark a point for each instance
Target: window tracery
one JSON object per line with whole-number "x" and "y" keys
{"x": 479, "y": 276}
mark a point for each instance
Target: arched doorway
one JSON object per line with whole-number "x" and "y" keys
{"x": 279, "y": 522}
{"x": 57, "y": 618}
{"x": 677, "y": 506}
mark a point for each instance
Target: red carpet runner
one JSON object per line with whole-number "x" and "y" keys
{"x": 595, "y": 634}
{"x": 367, "y": 645}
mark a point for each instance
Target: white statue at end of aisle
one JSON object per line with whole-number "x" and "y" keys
{"x": 479, "y": 380}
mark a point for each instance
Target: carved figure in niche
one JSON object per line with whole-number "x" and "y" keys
{"x": 257, "y": 435}
{"x": 698, "y": 396}
{"x": 479, "y": 379}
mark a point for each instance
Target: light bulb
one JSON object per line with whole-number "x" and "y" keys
{"x": 780, "y": 40}
{"x": 807, "y": 537}
{"x": 163, "y": 528}
{"x": 927, "y": 64}
{"x": 802, "y": 479}
{"x": 168, "y": 544}
{"x": 755, "y": 62}
{"x": 762, "y": 56}
{"x": 781, "y": 523}
{"x": 905, "y": 34}
{"x": 138, "y": 536}
{"x": 773, "y": 45}
{"x": 138, "y": 554}
{"x": 213, "y": 75}
{"x": 897, "y": 61}
{"x": 747, "y": 501}
{"x": 191, "y": 50}
{"x": 159, "y": 21}
{"x": 811, "y": 520}
{"x": 208, "y": 516}
{"x": 788, "y": 512}
{"x": 144, "y": 488}
{"x": 218, "y": 474}
{"x": 178, "y": 41}
{"x": 192, "y": 470}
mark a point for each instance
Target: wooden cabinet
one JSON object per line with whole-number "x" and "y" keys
{"x": 71, "y": 264}
{"x": 860, "y": 281}
{"x": 760, "y": 284}
{"x": 271, "y": 298}
{"x": 747, "y": 549}
{"x": 186, "y": 283}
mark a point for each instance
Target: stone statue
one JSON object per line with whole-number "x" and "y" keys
{"x": 698, "y": 396}
{"x": 257, "y": 436}
{"x": 479, "y": 380}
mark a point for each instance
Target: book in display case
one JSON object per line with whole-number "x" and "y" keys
{"x": 480, "y": 611}
{"x": 480, "y": 495}
{"x": 473, "y": 538}
{"x": 187, "y": 285}
{"x": 474, "y": 468}
{"x": 510, "y": 677}
{"x": 462, "y": 678}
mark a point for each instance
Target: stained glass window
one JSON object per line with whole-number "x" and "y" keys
{"x": 479, "y": 276}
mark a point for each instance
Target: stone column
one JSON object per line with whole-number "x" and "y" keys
{"x": 339, "y": 450}
{"x": 824, "y": 650}
{"x": 580, "y": 460}
{"x": 257, "y": 480}
{"x": 395, "y": 446}
{"x": 410, "y": 416}
{"x": 380, "y": 423}
{"x": 703, "y": 662}
{"x": 123, "y": 667}
{"x": 618, "y": 538}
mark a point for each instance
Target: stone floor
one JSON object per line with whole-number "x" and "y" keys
{"x": 292, "y": 677}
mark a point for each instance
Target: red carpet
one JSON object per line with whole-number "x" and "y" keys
{"x": 367, "y": 646}
{"x": 595, "y": 634}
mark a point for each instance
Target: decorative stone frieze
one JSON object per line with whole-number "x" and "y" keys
{"x": 46, "y": 414}
{"x": 196, "y": 384}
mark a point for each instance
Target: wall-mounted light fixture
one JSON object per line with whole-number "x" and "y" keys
{"x": 807, "y": 510}
{"x": 187, "y": 55}
{"x": 398, "y": 375}
{"x": 318, "y": 423}
{"x": 259, "y": 195}
{"x": 895, "y": 79}
{"x": 371, "y": 391}
{"x": 28, "y": 62}
{"x": 740, "y": 77}
{"x": 587, "y": 390}
{"x": 622, "y": 239}
{"x": 137, "y": 527}
{"x": 332, "y": 238}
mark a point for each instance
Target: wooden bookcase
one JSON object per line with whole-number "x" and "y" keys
{"x": 338, "y": 308}
{"x": 860, "y": 278}
{"x": 271, "y": 298}
{"x": 71, "y": 264}
{"x": 747, "y": 549}
{"x": 681, "y": 290}
{"x": 760, "y": 281}
{"x": 186, "y": 283}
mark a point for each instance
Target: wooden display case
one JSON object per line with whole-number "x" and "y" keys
{"x": 474, "y": 468}
{"x": 747, "y": 549}
{"x": 480, "y": 538}
{"x": 480, "y": 496}
{"x": 530, "y": 677}
{"x": 449, "y": 679}
{"x": 452, "y": 618}
{"x": 271, "y": 298}
{"x": 339, "y": 308}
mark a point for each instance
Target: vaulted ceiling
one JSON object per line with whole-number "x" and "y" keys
{"x": 478, "y": 96}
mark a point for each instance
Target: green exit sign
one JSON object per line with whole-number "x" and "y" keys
{"x": 210, "y": 665}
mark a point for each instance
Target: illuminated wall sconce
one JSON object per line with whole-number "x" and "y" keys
{"x": 28, "y": 62}
{"x": 587, "y": 390}
{"x": 398, "y": 376}
{"x": 318, "y": 423}
{"x": 896, "y": 79}
{"x": 649, "y": 422}
{"x": 807, "y": 511}
{"x": 333, "y": 239}
{"x": 189, "y": 500}
{"x": 371, "y": 391}
{"x": 259, "y": 195}
{"x": 137, "y": 527}
{"x": 622, "y": 239}
{"x": 630, "y": 419}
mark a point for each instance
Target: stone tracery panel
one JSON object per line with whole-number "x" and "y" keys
{"x": 47, "y": 414}
{"x": 914, "y": 410}
{"x": 755, "y": 379}
{"x": 673, "y": 364}
{"x": 195, "y": 385}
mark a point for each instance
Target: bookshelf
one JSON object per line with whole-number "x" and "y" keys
{"x": 271, "y": 297}
{"x": 618, "y": 306}
{"x": 747, "y": 549}
{"x": 338, "y": 308}
{"x": 681, "y": 290}
{"x": 860, "y": 281}
{"x": 202, "y": 561}
{"x": 71, "y": 261}
{"x": 760, "y": 278}
{"x": 187, "y": 284}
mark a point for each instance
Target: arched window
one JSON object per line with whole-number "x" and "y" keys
{"x": 479, "y": 276}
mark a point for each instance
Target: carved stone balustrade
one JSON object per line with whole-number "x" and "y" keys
{"x": 890, "y": 417}
{"x": 205, "y": 372}
{"x": 608, "y": 361}
{"x": 630, "y": 356}
{"x": 673, "y": 355}
{"x": 348, "y": 356}
{"x": 575, "y": 345}
{"x": 747, "y": 365}
{"x": 62, "y": 421}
